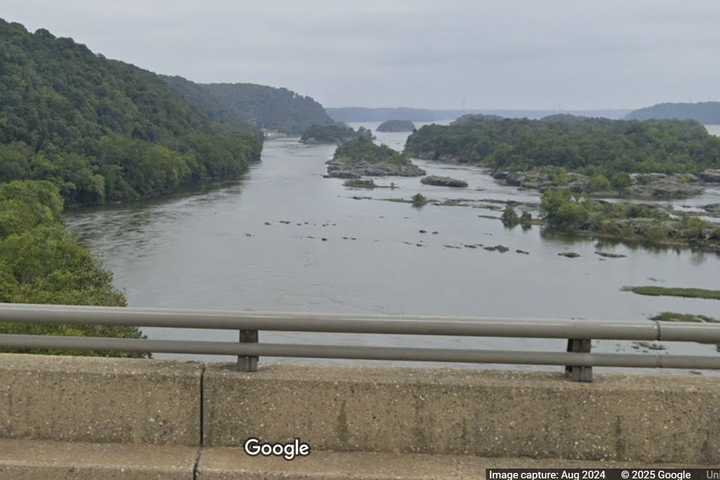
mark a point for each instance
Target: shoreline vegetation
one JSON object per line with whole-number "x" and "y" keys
{"x": 40, "y": 262}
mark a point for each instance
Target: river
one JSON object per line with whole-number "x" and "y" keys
{"x": 227, "y": 249}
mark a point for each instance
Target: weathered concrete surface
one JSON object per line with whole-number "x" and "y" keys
{"x": 458, "y": 412}
{"x": 233, "y": 464}
{"x": 99, "y": 399}
{"x": 41, "y": 460}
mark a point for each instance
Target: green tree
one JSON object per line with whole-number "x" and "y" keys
{"x": 526, "y": 220}
{"x": 563, "y": 211}
{"x": 41, "y": 263}
{"x": 599, "y": 183}
{"x": 510, "y": 217}
{"x": 419, "y": 200}
{"x": 621, "y": 182}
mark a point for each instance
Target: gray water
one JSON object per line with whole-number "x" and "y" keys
{"x": 213, "y": 250}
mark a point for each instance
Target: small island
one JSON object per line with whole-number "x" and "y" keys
{"x": 645, "y": 186}
{"x": 361, "y": 157}
{"x": 443, "y": 181}
{"x": 336, "y": 134}
{"x": 396, "y": 126}
{"x": 654, "y": 225}
{"x": 652, "y": 159}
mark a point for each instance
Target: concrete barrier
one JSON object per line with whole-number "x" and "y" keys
{"x": 99, "y": 400}
{"x": 451, "y": 411}
{"x": 644, "y": 419}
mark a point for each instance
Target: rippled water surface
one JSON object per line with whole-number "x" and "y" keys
{"x": 228, "y": 249}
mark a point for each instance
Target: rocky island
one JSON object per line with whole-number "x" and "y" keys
{"x": 361, "y": 157}
{"x": 653, "y": 159}
{"x": 396, "y": 126}
{"x": 651, "y": 186}
{"x": 337, "y": 134}
{"x": 627, "y": 222}
{"x": 443, "y": 181}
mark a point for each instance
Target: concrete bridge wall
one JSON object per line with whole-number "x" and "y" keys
{"x": 435, "y": 411}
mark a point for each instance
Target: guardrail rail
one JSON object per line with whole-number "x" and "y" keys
{"x": 578, "y": 360}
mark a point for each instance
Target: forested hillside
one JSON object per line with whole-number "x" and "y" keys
{"x": 588, "y": 145}
{"x": 265, "y": 107}
{"x": 102, "y": 130}
{"x": 79, "y": 129}
{"x": 703, "y": 112}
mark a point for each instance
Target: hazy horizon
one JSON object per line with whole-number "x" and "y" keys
{"x": 461, "y": 54}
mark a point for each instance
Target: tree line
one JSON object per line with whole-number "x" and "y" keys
{"x": 592, "y": 146}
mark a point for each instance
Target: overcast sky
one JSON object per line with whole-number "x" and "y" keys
{"x": 515, "y": 54}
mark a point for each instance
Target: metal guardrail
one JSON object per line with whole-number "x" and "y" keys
{"x": 578, "y": 360}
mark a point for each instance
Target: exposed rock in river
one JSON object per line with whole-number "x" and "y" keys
{"x": 712, "y": 209}
{"x": 360, "y": 183}
{"x": 710, "y": 175}
{"x": 610, "y": 255}
{"x": 497, "y": 248}
{"x": 661, "y": 187}
{"x": 443, "y": 181}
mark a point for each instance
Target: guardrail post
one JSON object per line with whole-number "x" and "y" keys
{"x": 574, "y": 372}
{"x": 248, "y": 364}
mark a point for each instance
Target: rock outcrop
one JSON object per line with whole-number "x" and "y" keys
{"x": 443, "y": 181}
{"x": 711, "y": 175}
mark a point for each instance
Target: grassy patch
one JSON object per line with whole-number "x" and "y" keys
{"x": 675, "y": 292}
{"x": 683, "y": 317}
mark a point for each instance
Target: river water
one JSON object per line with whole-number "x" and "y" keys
{"x": 228, "y": 249}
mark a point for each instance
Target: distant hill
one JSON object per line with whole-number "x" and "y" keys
{"x": 265, "y": 107}
{"x": 362, "y": 114}
{"x": 396, "y": 126}
{"x": 103, "y": 130}
{"x": 705, "y": 112}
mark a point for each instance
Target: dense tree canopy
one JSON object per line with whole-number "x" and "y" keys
{"x": 588, "y": 145}
{"x": 364, "y": 149}
{"x": 568, "y": 212}
{"x": 337, "y": 133}
{"x": 103, "y": 130}
{"x": 265, "y": 107}
{"x": 41, "y": 263}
